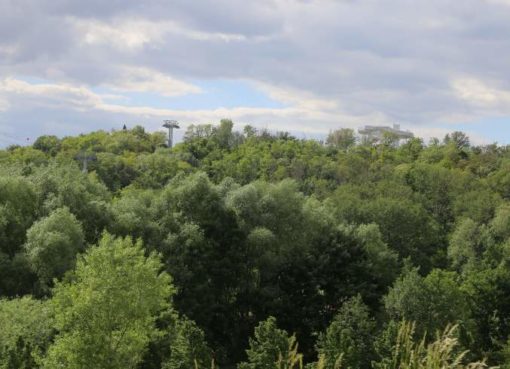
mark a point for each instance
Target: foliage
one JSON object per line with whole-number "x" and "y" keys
{"x": 250, "y": 224}
{"x": 348, "y": 338}
{"x": 442, "y": 353}
{"x": 271, "y": 347}
{"x": 105, "y": 312}
{"x": 188, "y": 347}
{"x": 432, "y": 302}
{"x": 26, "y": 328}
{"x": 53, "y": 243}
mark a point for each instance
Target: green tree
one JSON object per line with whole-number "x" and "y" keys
{"x": 53, "y": 243}
{"x": 269, "y": 347}
{"x": 487, "y": 293}
{"x": 348, "y": 339}
{"x": 26, "y": 328}
{"x": 18, "y": 210}
{"x": 64, "y": 185}
{"x": 342, "y": 139}
{"x": 459, "y": 139}
{"x": 500, "y": 224}
{"x": 432, "y": 302}
{"x": 381, "y": 260}
{"x": 465, "y": 247}
{"x": 188, "y": 348}
{"x": 47, "y": 144}
{"x": 106, "y": 312}
{"x": 18, "y": 206}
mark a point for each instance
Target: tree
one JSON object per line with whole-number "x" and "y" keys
{"x": 459, "y": 139}
{"x": 188, "y": 348}
{"x": 18, "y": 210}
{"x": 349, "y": 337}
{"x": 47, "y": 144}
{"x": 432, "y": 302}
{"x": 465, "y": 248}
{"x": 342, "y": 139}
{"x": 487, "y": 293}
{"x": 26, "y": 328}
{"x": 223, "y": 134}
{"x": 269, "y": 347}
{"x": 64, "y": 185}
{"x": 500, "y": 224}
{"x": 381, "y": 260}
{"x": 18, "y": 204}
{"x": 53, "y": 243}
{"x": 205, "y": 251}
{"x": 106, "y": 311}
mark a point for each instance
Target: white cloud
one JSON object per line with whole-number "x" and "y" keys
{"x": 301, "y": 99}
{"x": 133, "y": 34}
{"x": 48, "y": 94}
{"x": 306, "y": 115}
{"x": 127, "y": 35}
{"x": 480, "y": 94}
{"x": 138, "y": 79}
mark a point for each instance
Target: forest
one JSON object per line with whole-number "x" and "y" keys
{"x": 242, "y": 248}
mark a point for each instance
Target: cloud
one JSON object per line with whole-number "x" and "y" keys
{"x": 427, "y": 65}
{"x": 138, "y": 79}
{"x": 296, "y": 116}
{"x": 481, "y": 95}
{"x": 501, "y": 2}
{"x": 49, "y": 95}
{"x": 129, "y": 35}
{"x": 4, "y": 105}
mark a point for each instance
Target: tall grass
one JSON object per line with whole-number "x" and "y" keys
{"x": 440, "y": 354}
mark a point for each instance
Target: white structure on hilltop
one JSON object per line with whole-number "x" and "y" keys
{"x": 376, "y": 134}
{"x": 171, "y": 124}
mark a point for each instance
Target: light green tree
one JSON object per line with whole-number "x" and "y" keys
{"x": 25, "y": 328}
{"x": 106, "y": 312}
{"x": 188, "y": 348}
{"x": 271, "y": 348}
{"x": 348, "y": 339}
{"x": 53, "y": 243}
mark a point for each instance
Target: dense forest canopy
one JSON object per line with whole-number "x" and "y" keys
{"x": 118, "y": 252}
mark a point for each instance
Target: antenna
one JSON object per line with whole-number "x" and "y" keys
{"x": 85, "y": 158}
{"x": 170, "y": 124}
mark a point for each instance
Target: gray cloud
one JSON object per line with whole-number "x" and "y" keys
{"x": 405, "y": 60}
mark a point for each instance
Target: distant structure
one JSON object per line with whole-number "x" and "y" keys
{"x": 170, "y": 124}
{"x": 378, "y": 133}
{"x": 85, "y": 157}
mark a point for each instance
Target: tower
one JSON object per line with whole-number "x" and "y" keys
{"x": 85, "y": 157}
{"x": 170, "y": 124}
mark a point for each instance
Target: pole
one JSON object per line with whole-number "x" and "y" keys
{"x": 170, "y": 124}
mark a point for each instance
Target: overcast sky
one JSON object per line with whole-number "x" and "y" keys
{"x": 307, "y": 67}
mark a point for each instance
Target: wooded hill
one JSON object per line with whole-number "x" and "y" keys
{"x": 170, "y": 258}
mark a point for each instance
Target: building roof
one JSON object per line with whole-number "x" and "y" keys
{"x": 370, "y": 130}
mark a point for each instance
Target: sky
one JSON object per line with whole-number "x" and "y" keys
{"x": 302, "y": 66}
